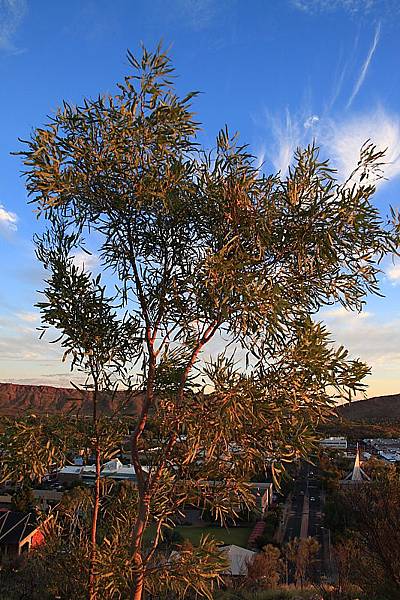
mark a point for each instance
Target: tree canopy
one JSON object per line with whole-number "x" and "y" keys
{"x": 209, "y": 278}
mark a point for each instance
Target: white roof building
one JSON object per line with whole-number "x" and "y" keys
{"x": 238, "y": 559}
{"x": 113, "y": 469}
{"x": 390, "y": 456}
{"x": 70, "y": 470}
{"x": 111, "y": 466}
{"x": 336, "y": 443}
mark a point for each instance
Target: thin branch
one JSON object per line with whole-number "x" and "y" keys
{"x": 207, "y": 335}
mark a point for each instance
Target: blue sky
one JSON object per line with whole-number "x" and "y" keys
{"x": 281, "y": 72}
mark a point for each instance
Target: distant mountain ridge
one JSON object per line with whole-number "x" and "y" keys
{"x": 16, "y": 399}
{"x": 379, "y": 408}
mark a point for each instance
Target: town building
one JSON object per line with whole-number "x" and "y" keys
{"x": 335, "y": 443}
{"x": 357, "y": 475}
{"x": 263, "y": 492}
{"x": 114, "y": 469}
{"x": 238, "y": 559}
{"x": 387, "y": 449}
{"x": 69, "y": 473}
{"x": 19, "y": 532}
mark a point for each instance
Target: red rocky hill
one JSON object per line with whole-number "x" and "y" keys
{"x": 41, "y": 399}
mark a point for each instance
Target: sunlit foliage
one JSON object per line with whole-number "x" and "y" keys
{"x": 193, "y": 247}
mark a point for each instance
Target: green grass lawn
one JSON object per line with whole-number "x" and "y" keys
{"x": 233, "y": 535}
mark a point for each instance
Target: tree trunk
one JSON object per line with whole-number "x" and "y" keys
{"x": 92, "y": 595}
{"x": 137, "y": 591}
{"x": 140, "y": 526}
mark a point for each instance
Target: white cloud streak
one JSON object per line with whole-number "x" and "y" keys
{"x": 342, "y": 314}
{"x": 365, "y": 66}
{"x": 352, "y": 7}
{"x": 386, "y": 10}
{"x": 393, "y": 274}
{"x": 286, "y": 137}
{"x": 85, "y": 261}
{"x": 353, "y": 329}
{"x": 8, "y": 220}
{"x": 311, "y": 122}
{"x": 28, "y": 317}
{"x": 260, "y": 156}
{"x": 52, "y": 380}
{"x": 372, "y": 341}
{"x": 342, "y": 140}
{"x": 339, "y": 139}
{"x": 25, "y": 358}
{"x": 11, "y": 14}
{"x": 337, "y": 87}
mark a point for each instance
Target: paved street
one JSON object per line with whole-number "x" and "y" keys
{"x": 305, "y": 517}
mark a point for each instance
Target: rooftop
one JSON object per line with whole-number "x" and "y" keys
{"x": 15, "y": 526}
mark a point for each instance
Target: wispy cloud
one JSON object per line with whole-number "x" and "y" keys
{"x": 28, "y": 317}
{"x": 311, "y": 121}
{"x": 8, "y": 220}
{"x": 286, "y": 133}
{"x": 26, "y": 358}
{"x": 22, "y": 344}
{"x": 85, "y": 261}
{"x": 342, "y": 140}
{"x": 198, "y": 14}
{"x": 365, "y": 66}
{"x": 342, "y": 314}
{"x": 260, "y": 156}
{"x": 53, "y": 380}
{"x": 353, "y": 331}
{"x": 350, "y": 6}
{"x": 12, "y": 13}
{"x": 337, "y": 88}
{"x": 342, "y": 71}
{"x": 393, "y": 273}
{"x": 381, "y": 353}
{"x": 353, "y": 328}
{"x": 384, "y": 10}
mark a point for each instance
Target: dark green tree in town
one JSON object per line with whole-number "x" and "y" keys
{"x": 265, "y": 570}
{"x": 23, "y": 500}
{"x": 208, "y": 277}
{"x": 374, "y": 513}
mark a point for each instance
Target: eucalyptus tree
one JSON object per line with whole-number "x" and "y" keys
{"x": 195, "y": 247}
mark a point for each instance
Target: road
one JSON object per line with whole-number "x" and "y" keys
{"x": 305, "y": 517}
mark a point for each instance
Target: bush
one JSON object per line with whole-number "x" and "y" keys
{"x": 172, "y": 539}
{"x": 271, "y": 524}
